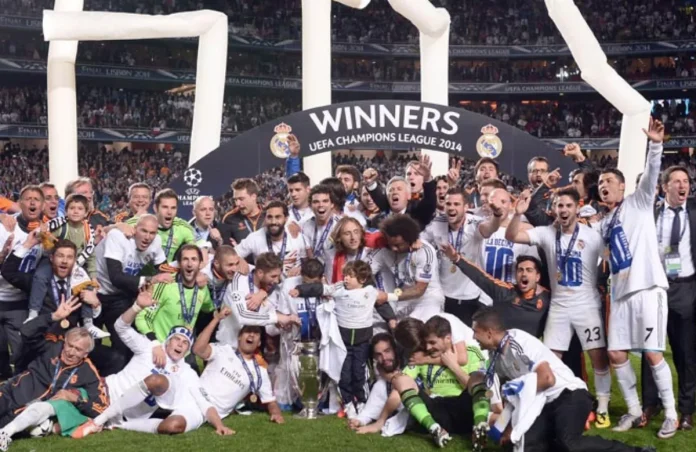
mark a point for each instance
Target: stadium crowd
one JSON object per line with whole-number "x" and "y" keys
{"x": 154, "y": 110}
{"x": 509, "y": 22}
{"x": 362, "y": 260}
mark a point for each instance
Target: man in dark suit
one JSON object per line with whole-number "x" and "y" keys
{"x": 675, "y": 218}
{"x": 399, "y": 196}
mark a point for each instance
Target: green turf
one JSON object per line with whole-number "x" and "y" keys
{"x": 255, "y": 433}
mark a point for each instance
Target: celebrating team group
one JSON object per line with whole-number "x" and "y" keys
{"x": 434, "y": 308}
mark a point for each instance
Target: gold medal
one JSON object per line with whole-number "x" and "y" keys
{"x": 64, "y": 324}
{"x": 398, "y": 292}
{"x": 453, "y": 269}
{"x": 253, "y": 398}
{"x": 489, "y": 394}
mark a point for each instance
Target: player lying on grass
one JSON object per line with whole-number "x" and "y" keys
{"x": 140, "y": 388}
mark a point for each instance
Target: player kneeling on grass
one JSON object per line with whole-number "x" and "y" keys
{"x": 231, "y": 374}
{"x": 141, "y": 387}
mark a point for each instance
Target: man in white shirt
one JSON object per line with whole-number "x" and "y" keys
{"x": 298, "y": 190}
{"x": 153, "y": 380}
{"x": 120, "y": 261}
{"x": 316, "y": 230}
{"x": 259, "y": 311}
{"x": 415, "y": 271}
{"x": 561, "y": 422}
{"x": 232, "y": 373}
{"x": 462, "y": 298}
{"x": 573, "y": 252}
{"x": 274, "y": 238}
{"x": 638, "y": 318}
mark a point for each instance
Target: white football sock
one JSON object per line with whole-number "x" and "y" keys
{"x": 35, "y": 414}
{"x": 603, "y": 388}
{"x": 628, "y": 385}
{"x": 141, "y": 425}
{"x": 663, "y": 380}
{"x": 131, "y": 397}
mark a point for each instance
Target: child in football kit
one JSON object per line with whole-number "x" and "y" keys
{"x": 75, "y": 228}
{"x": 355, "y": 299}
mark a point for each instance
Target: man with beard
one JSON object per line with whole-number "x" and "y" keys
{"x": 350, "y": 178}
{"x": 317, "y": 230}
{"x": 179, "y": 302}
{"x": 638, "y": 318}
{"x": 173, "y": 232}
{"x": 261, "y": 279}
{"x": 681, "y": 292}
{"x": 139, "y": 199}
{"x": 205, "y": 232}
{"x": 220, "y": 271}
{"x": 576, "y": 306}
{"x": 486, "y": 168}
{"x": 566, "y": 402}
{"x": 246, "y": 216}
{"x": 536, "y": 169}
{"x": 83, "y": 186}
{"x": 298, "y": 191}
{"x": 462, "y": 297}
{"x": 51, "y": 200}
{"x": 140, "y": 388}
{"x": 13, "y": 301}
{"x": 400, "y": 193}
{"x": 522, "y": 305}
{"x": 274, "y": 238}
{"x": 120, "y": 262}
{"x": 415, "y": 271}
{"x": 61, "y": 382}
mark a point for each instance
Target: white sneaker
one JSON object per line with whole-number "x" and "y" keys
{"x": 5, "y": 441}
{"x": 627, "y": 422}
{"x": 97, "y": 333}
{"x": 43, "y": 429}
{"x": 351, "y": 412}
{"x": 440, "y": 436}
{"x": 668, "y": 429}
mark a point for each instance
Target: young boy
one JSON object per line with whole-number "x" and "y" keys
{"x": 75, "y": 228}
{"x": 355, "y": 300}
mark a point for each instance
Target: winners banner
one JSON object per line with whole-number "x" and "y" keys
{"x": 374, "y": 125}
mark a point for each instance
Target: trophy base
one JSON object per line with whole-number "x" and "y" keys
{"x": 308, "y": 413}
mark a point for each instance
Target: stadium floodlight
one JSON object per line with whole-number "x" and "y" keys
{"x": 433, "y": 25}
{"x": 67, "y": 24}
{"x": 595, "y": 70}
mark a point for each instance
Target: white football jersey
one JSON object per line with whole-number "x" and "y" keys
{"x": 227, "y": 383}
{"x": 631, "y": 236}
{"x": 318, "y": 237}
{"x": 117, "y": 247}
{"x": 454, "y": 284}
{"x": 257, "y": 242}
{"x": 235, "y": 297}
{"x": 577, "y": 285}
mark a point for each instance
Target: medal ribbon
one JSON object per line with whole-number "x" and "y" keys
{"x": 56, "y": 373}
{"x": 254, "y": 387}
{"x": 281, "y": 254}
{"x": 490, "y": 372}
{"x": 317, "y": 248}
{"x": 170, "y": 241}
{"x": 187, "y": 314}
{"x": 562, "y": 257}
{"x": 430, "y": 382}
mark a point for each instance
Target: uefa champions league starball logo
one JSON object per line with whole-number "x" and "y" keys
{"x": 193, "y": 177}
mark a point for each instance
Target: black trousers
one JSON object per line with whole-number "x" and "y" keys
{"x": 12, "y": 316}
{"x": 112, "y": 308}
{"x": 352, "y": 383}
{"x": 463, "y": 309}
{"x": 681, "y": 333}
{"x": 560, "y": 427}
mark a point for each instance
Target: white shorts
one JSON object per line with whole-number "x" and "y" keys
{"x": 586, "y": 322}
{"x": 193, "y": 416}
{"x": 639, "y": 322}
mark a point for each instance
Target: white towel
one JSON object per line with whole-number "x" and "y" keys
{"x": 521, "y": 394}
{"x": 332, "y": 351}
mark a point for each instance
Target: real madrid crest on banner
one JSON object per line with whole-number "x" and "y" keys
{"x": 489, "y": 144}
{"x": 281, "y": 141}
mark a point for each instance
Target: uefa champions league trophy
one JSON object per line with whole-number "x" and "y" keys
{"x": 309, "y": 380}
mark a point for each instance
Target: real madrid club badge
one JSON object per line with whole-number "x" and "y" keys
{"x": 253, "y": 398}
{"x": 64, "y": 323}
{"x": 489, "y": 144}
{"x": 280, "y": 143}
